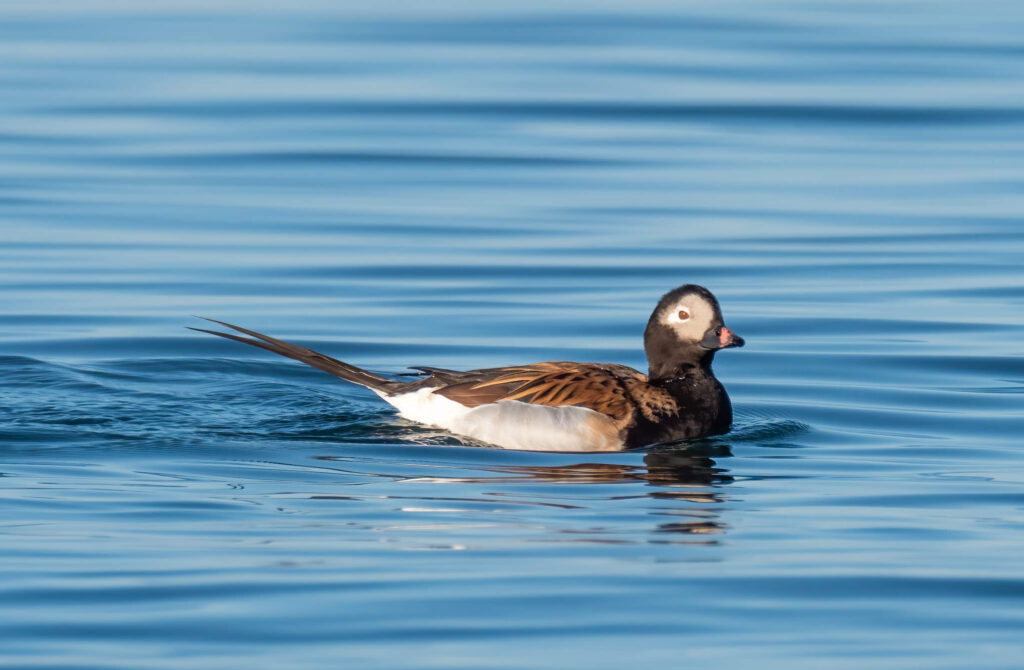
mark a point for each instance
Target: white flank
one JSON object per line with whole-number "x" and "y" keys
{"x": 509, "y": 424}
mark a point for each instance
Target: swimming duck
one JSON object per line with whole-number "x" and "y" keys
{"x": 564, "y": 406}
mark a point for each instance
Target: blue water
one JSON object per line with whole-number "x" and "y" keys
{"x": 475, "y": 184}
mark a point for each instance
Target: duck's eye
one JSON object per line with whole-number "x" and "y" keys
{"x": 683, "y": 315}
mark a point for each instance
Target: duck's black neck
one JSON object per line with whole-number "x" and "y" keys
{"x": 684, "y": 369}
{"x": 703, "y": 406}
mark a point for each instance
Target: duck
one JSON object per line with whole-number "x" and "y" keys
{"x": 561, "y": 405}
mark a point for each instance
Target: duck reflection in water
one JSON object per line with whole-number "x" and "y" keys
{"x": 685, "y": 477}
{"x": 682, "y": 473}
{"x": 668, "y": 467}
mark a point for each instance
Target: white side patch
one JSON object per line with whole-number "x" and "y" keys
{"x": 423, "y": 406}
{"x": 511, "y": 424}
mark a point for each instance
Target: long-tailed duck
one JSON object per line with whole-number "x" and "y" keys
{"x": 563, "y": 406}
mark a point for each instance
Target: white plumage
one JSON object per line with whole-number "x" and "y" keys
{"x": 509, "y": 424}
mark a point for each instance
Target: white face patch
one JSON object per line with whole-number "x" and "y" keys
{"x": 690, "y": 318}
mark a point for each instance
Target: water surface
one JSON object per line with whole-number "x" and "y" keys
{"x": 471, "y": 186}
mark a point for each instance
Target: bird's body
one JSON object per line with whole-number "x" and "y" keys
{"x": 564, "y": 406}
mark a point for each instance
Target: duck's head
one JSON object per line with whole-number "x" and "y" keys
{"x": 685, "y": 330}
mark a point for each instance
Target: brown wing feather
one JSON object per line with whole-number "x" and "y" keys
{"x": 555, "y": 383}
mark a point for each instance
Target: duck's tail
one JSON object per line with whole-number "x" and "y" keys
{"x": 319, "y": 361}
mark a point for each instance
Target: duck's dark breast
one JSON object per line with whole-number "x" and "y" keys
{"x": 700, "y": 408}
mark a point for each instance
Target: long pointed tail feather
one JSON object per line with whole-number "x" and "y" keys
{"x": 308, "y": 356}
